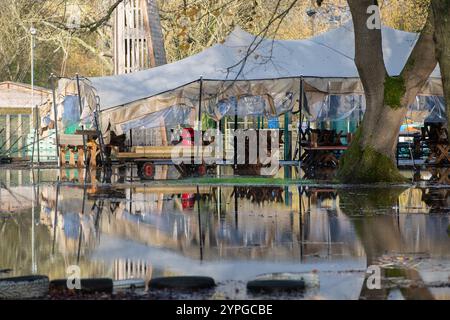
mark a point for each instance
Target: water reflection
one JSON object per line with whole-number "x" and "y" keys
{"x": 230, "y": 233}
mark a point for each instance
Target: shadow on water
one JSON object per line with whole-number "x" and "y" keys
{"x": 232, "y": 233}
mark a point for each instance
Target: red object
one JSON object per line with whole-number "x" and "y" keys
{"x": 187, "y": 200}
{"x": 148, "y": 170}
{"x": 202, "y": 170}
{"x": 187, "y": 136}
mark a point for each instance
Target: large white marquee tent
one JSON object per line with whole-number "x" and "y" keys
{"x": 255, "y": 75}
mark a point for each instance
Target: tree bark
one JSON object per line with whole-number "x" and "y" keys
{"x": 441, "y": 12}
{"x": 371, "y": 157}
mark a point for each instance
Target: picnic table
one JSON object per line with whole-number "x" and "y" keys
{"x": 322, "y": 148}
{"x": 74, "y": 144}
{"x": 440, "y": 175}
{"x": 435, "y": 136}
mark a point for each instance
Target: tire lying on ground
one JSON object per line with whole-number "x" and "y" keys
{"x": 182, "y": 283}
{"x": 26, "y": 287}
{"x": 260, "y": 286}
{"x": 97, "y": 285}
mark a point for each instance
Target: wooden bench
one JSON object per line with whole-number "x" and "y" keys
{"x": 321, "y": 147}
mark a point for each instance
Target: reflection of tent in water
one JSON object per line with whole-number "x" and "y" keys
{"x": 250, "y": 76}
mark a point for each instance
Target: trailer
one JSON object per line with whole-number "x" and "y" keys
{"x": 148, "y": 157}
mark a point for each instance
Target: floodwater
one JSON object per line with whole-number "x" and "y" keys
{"x": 129, "y": 229}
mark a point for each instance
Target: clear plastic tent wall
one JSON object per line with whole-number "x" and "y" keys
{"x": 428, "y": 109}
{"x": 337, "y": 108}
{"x": 169, "y": 118}
{"x": 70, "y": 115}
{"x": 353, "y": 107}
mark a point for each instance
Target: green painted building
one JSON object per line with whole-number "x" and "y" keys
{"x": 17, "y": 116}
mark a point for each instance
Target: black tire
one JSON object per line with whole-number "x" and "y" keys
{"x": 100, "y": 285}
{"x": 261, "y": 286}
{"x": 26, "y": 287}
{"x": 182, "y": 283}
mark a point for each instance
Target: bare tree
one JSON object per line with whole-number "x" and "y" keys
{"x": 62, "y": 48}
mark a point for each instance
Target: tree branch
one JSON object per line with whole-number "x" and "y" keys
{"x": 93, "y": 26}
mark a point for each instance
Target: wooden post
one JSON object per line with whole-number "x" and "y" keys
{"x": 93, "y": 150}
{"x": 81, "y": 157}
{"x": 62, "y": 155}
{"x": 72, "y": 157}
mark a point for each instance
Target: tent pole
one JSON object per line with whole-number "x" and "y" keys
{"x": 38, "y": 138}
{"x": 200, "y": 102}
{"x": 286, "y": 137}
{"x": 55, "y": 221}
{"x": 81, "y": 112}
{"x": 360, "y": 111}
{"x": 234, "y": 135}
{"x": 131, "y": 138}
{"x": 55, "y": 114}
{"x": 218, "y": 134}
{"x": 300, "y": 124}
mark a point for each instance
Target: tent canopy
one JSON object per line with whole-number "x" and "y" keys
{"x": 249, "y": 65}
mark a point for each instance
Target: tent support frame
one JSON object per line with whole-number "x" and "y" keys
{"x": 81, "y": 112}
{"x": 200, "y": 133}
{"x": 300, "y": 123}
{"x": 55, "y": 114}
{"x": 235, "y": 147}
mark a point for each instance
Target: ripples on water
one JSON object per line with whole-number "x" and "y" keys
{"x": 231, "y": 233}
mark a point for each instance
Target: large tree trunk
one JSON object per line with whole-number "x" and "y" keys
{"x": 371, "y": 157}
{"x": 441, "y": 12}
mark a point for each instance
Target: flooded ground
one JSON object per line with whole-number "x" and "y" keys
{"x": 122, "y": 228}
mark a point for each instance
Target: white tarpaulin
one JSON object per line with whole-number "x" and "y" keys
{"x": 274, "y": 67}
